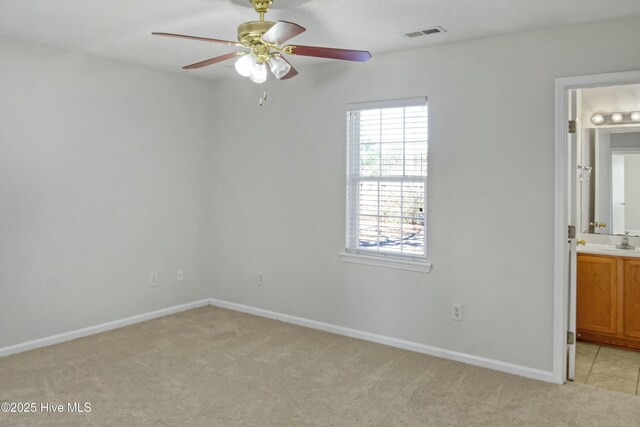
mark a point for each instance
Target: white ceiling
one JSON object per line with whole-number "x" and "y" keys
{"x": 120, "y": 29}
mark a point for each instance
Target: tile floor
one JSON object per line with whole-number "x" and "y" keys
{"x": 608, "y": 367}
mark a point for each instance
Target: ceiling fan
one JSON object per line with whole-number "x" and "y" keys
{"x": 264, "y": 38}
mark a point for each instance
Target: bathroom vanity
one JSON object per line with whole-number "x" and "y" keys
{"x": 607, "y": 216}
{"x": 608, "y": 296}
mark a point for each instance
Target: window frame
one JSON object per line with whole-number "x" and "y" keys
{"x": 377, "y": 257}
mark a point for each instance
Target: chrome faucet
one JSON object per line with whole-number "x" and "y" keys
{"x": 625, "y": 242}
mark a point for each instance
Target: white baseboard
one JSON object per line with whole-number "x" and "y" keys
{"x": 496, "y": 365}
{"x": 470, "y": 359}
{"x": 91, "y": 330}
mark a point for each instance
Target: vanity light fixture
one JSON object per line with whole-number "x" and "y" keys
{"x": 615, "y": 118}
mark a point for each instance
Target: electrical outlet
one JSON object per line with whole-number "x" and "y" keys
{"x": 456, "y": 312}
{"x": 260, "y": 278}
{"x": 154, "y": 280}
{"x": 180, "y": 275}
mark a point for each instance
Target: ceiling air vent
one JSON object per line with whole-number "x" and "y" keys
{"x": 426, "y": 32}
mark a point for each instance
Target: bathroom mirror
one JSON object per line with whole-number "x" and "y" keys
{"x": 609, "y": 181}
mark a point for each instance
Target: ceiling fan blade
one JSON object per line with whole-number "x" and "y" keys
{"x": 214, "y": 60}
{"x": 204, "y": 39}
{"x": 328, "y": 52}
{"x": 282, "y": 31}
{"x": 292, "y": 73}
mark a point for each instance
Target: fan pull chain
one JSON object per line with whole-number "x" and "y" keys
{"x": 263, "y": 99}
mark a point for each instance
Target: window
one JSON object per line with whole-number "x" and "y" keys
{"x": 386, "y": 182}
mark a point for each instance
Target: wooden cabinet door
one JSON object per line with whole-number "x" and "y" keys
{"x": 596, "y": 293}
{"x": 631, "y": 298}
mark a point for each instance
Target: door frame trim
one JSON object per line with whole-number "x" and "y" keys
{"x": 561, "y": 268}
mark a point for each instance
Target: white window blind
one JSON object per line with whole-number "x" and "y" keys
{"x": 386, "y": 181}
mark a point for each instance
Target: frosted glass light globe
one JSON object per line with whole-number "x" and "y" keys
{"x": 635, "y": 116}
{"x": 244, "y": 65}
{"x": 279, "y": 67}
{"x": 259, "y": 73}
{"x": 616, "y": 117}
{"x": 597, "y": 119}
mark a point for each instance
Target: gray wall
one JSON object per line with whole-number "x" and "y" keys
{"x": 279, "y": 190}
{"x": 587, "y": 188}
{"x": 632, "y": 193}
{"x": 103, "y": 171}
{"x": 625, "y": 140}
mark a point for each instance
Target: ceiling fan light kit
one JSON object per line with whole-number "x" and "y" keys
{"x": 263, "y": 39}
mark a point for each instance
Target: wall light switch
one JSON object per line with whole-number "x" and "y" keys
{"x": 154, "y": 280}
{"x": 180, "y": 275}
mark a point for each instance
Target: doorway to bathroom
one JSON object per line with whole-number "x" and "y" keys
{"x": 597, "y": 266}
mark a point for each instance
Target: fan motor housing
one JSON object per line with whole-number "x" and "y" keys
{"x": 250, "y": 32}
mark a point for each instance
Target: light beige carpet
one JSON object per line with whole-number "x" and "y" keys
{"x": 214, "y": 367}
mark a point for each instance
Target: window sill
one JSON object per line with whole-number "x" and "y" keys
{"x": 388, "y": 262}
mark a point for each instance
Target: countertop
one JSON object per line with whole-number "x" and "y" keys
{"x": 591, "y": 248}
